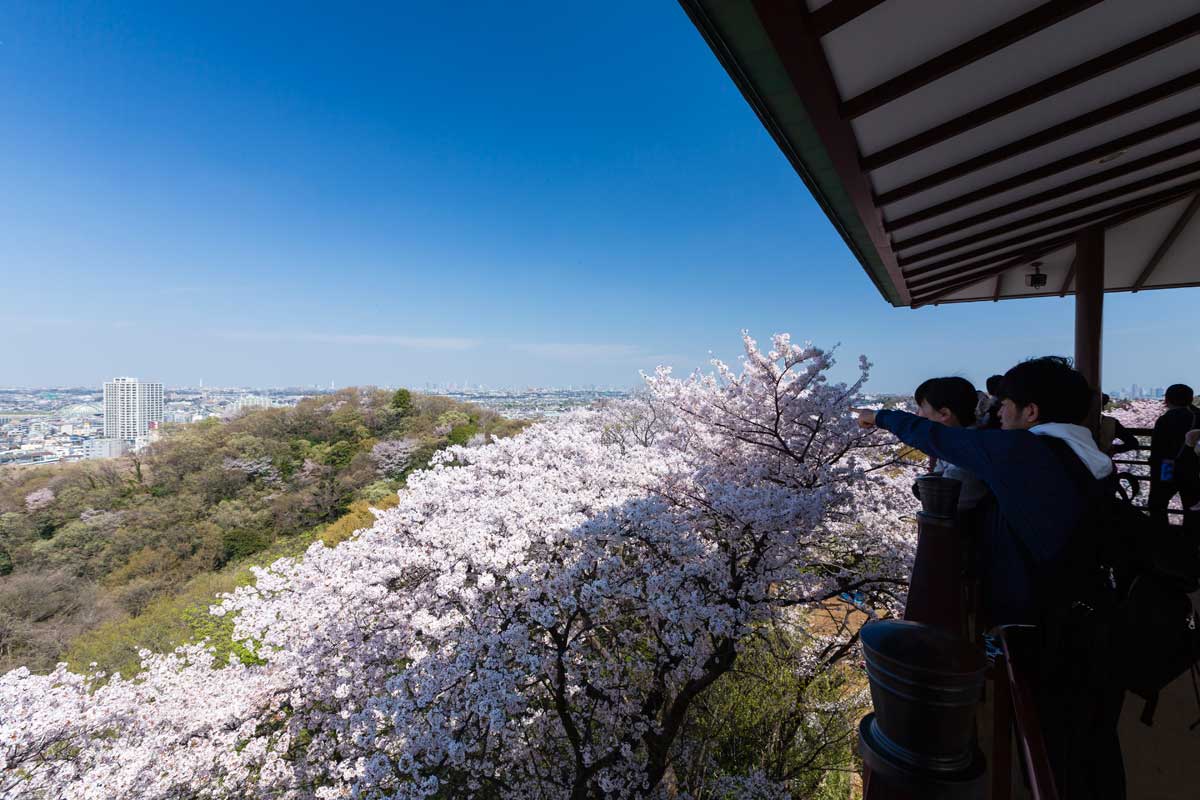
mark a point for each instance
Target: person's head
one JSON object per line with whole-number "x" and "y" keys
{"x": 1105, "y": 400}
{"x": 1179, "y": 395}
{"x": 950, "y": 401}
{"x": 993, "y": 385}
{"x": 1043, "y": 390}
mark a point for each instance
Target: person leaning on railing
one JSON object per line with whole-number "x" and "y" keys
{"x": 1173, "y": 465}
{"x": 1113, "y": 437}
{"x": 1047, "y": 477}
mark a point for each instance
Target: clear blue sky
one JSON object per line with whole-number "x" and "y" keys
{"x": 504, "y": 193}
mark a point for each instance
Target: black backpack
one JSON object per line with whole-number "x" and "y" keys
{"x": 1119, "y": 600}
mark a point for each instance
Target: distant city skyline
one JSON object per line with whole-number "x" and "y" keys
{"x": 291, "y": 197}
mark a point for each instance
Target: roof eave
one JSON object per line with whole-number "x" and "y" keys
{"x": 740, "y": 42}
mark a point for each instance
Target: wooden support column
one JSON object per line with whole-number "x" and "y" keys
{"x": 1089, "y": 310}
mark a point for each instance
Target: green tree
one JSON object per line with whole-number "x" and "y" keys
{"x": 125, "y": 539}
{"x": 402, "y": 402}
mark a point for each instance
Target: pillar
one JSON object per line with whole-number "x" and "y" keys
{"x": 1089, "y": 310}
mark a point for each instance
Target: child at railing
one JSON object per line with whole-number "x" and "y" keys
{"x": 952, "y": 402}
{"x": 1047, "y": 476}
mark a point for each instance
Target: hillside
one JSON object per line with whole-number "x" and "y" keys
{"x": 100, "y": 558}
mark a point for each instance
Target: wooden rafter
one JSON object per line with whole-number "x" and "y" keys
{"x": 833, "y": 15}
{"x": 1081, "y": 73}
{"x": 935, "y": 294}
{"x": 958, "y": 280}
{"x": 1168, "y": 241}
{"x": 1049, "y": 214}
{"x": 1155, "y": 200}
{"x": 1066, "y": 284}
{"x": 1048, "y": 135}
{"x": 982, "y": 46}
{"x": 927, "y": 282}
{"x": 786, "y": 23}
{"x": 1063, "y": 164}
{"x": 1071, "y": 188}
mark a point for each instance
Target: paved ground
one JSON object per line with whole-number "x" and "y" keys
{"x": 1163, "y": 762}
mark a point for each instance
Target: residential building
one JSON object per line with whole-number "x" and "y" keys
{"x": 104, "y": 448}
{"x": 131, "y": 408}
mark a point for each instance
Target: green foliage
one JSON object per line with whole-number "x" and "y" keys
{"x": 133, "y": 538}
{"x": 768, "y": 715}
{"x": 402, "y": 402}
{"x": 358, "y": 517}
{"x": 177, "y": 619}
{"x": 379, "y": 492}
{"x": 453, "y": 419}
{"x": 241, "y": 543}
{"x": 461, "y": 434}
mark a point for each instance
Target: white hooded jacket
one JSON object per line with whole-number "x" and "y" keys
{"x": 1082, "y": 444}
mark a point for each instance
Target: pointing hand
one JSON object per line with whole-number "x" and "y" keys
{"x": 866, "y": 417}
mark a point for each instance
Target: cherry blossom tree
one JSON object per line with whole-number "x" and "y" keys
{"x": 1138, "y": 413}
{"x": 260, "y": 468}
{"x": 39, "y": 499}
{"x": 393, "y": 456}
{"x": 535, "y": 619}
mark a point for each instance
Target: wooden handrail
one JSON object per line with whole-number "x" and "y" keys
{"x": 1024, "y": 714}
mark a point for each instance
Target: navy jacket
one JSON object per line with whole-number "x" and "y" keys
{"x": 1167, "y": 442}
{"x": 1039, "y": 506}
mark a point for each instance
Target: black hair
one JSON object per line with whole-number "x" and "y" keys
{"x": 1061, "y": 392}
{"x": 956, "y": 394}
{"x": 1179, "y": 394}
{"x": 994, "y": 383}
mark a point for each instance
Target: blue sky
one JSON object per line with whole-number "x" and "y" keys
{"x": 503, "y": 193}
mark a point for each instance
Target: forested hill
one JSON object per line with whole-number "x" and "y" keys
{"x": 101, "y": 558}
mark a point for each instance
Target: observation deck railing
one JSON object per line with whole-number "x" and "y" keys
{"x": 943, "y": 594}
{"x": 1141, "y": 458}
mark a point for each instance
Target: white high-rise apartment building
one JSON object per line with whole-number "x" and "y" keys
{"x": 130, "y": 407}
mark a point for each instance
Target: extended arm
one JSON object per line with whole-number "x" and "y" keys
{"x": 965, "y": 447}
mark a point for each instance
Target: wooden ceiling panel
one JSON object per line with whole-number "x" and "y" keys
{"x": 900, "y": 40}
{"x": 1181, "y": 255}
{"x": 1050, "y": 56}
{"x": 952, "y": 143}
{"x": 1140, "y": 76}
{"x": 1032, "y": 219}
{"x": 966, "y": 176}
{"x": 902, "y": 214}
{"x": 1128, "y": 171}
{"x": 1054, "y": 266}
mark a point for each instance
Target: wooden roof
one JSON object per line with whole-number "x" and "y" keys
{"x": 960, "y": 146}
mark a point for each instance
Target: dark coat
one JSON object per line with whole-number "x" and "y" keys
{"x": 1039, "y": 506}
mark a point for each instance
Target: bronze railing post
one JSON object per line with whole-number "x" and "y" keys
{"x": 935, "y": 591}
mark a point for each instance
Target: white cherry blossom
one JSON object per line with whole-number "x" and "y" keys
{"x": 533, "y": 620}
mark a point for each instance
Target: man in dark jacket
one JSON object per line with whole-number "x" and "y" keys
{"x": 1173, "y": 465}
{"x": 1114, "y": 438}
{"x": 1047, "y": 477}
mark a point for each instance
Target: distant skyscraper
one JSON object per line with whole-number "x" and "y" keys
{"x": 131, "y": 408}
